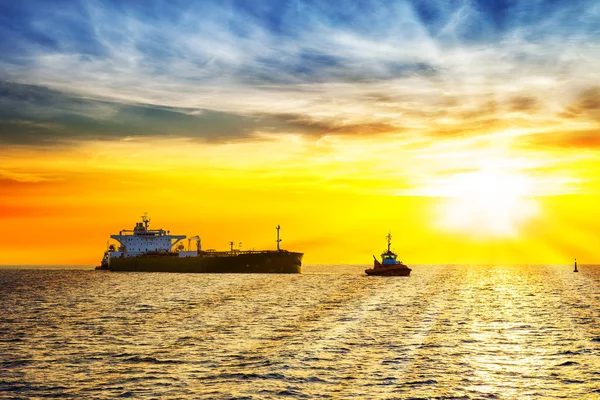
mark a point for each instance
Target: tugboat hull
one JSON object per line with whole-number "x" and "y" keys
{"x": 404, "y": 271}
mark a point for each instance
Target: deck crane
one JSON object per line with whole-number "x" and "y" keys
{"x": 197, "y": 239}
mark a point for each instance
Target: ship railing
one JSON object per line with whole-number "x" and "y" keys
{"x": 153, "y": 232}
{"x": 216, "y": 253}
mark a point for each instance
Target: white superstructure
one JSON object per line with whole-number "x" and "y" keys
{"x": 142, "y": 240}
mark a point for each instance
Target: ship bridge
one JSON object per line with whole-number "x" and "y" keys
{"x": 141, "y": 240}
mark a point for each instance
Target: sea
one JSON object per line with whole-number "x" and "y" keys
{"x": 445, "y": 332}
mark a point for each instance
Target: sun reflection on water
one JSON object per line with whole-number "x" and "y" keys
{"x": 447, "y": 331}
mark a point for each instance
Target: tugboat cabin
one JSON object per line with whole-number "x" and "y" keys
{"x": 388, "y": 258}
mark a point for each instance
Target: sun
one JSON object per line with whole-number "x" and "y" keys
{"x": 487, "y": 203}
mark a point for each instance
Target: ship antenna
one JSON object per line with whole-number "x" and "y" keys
{"x": 278, "y": 227}
{"x": 389, "y": 239}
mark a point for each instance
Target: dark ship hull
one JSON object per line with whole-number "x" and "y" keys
{"x": 261, "y": 262}
{"x": 392, "y": 270}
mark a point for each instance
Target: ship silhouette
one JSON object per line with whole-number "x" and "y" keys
{"x": 389, "y": 265}
{"x": 151, "y": 250}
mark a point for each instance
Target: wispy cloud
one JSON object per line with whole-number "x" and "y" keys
{"x": 416, "y": 72}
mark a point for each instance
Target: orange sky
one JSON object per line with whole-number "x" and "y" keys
{"x": 336, "y": 199}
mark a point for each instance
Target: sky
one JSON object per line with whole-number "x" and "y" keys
{"x": 470, "y": 130}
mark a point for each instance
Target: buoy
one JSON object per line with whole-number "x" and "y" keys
{"x": 575, "y": 270}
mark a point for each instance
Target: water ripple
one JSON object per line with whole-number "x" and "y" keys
{"x": 447, "y": 332}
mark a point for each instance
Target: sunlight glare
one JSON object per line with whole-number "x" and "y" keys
{"x": 488, "y": 203}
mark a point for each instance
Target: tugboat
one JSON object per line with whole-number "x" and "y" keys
{"x": 389, "y": 265}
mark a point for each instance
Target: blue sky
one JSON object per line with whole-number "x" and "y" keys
{"x": 217, "y": 70}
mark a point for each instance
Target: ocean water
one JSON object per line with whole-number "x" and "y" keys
{"x": 468, "y": 332}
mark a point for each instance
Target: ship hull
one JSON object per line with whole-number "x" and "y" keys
{"x": 275, "y": 262}
{"x": 391, "y": 271}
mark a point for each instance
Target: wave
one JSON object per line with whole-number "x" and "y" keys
{"x": 151, "y": 360}
{"x": 568, "y": 363}
{"x": 425, "y": 382}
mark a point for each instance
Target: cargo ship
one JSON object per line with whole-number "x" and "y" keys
{"x": 157, "y": 250}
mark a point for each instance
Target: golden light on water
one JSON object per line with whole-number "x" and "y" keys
{"x": 447, "y": 331}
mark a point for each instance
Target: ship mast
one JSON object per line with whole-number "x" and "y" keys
{"x": 278, "y": 240}
{"x": 145, "y": 220}
{"x": 389, "y": 239}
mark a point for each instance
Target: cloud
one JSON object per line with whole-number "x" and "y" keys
{"x": 36, "y": 115}
{"x": 524, "y": 103}
{"x": 222, "y": 70}
{"x": 584, "y": 105}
